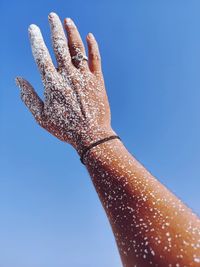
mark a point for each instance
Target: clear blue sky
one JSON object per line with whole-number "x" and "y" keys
{"x": 49, "y": 211}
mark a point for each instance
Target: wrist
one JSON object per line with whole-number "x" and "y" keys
{"x": 95, "y": 144}
{"x": 91, "y": 137}
{"x": 98, "y": 152}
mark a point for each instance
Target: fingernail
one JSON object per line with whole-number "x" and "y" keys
{"x": 17, "y": 81}
{"x": 90, "y": 35}
{"x": 52, "y": 14}
{"x": 33, "y": 28}
{"x": 69, "y": 22}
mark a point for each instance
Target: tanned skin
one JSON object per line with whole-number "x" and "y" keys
{"x": 152, "y": 227}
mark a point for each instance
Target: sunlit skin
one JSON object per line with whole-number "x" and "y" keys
{"x": 152, "y": 227}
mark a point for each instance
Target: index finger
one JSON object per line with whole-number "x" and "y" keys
{"x": 41, "y": 53}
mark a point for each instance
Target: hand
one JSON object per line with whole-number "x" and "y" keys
{"x": 75, "y": 107}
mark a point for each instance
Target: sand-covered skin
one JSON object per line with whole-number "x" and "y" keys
{"x": 152, "y": 227}
{"x": 75, "y": 107}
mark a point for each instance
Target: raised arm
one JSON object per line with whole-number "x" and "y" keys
{"x": 152, "y": 227}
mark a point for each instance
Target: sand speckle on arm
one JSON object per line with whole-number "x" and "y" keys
{"x": 152, "y": 227}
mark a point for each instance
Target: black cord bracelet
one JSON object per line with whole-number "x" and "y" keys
{"x": 85, "y": 150}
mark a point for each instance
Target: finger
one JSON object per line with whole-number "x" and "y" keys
{"x": 94, "y": 54}
{"x": 41, "y": 54}
{"x": 76, "y": 46}
{"x": 59, "y": 42}
{"x": 30, "y": 98}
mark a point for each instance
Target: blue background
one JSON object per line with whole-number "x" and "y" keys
{"x": 49, "y": 211}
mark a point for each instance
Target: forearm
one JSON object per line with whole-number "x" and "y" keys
{"x": 151, "y": 226}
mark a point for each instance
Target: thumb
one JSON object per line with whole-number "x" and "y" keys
{"x": 30, "y": 98}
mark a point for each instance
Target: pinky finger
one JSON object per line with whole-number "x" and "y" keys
{"x": 93, "y": 54}
{"x": 30, "y": 99}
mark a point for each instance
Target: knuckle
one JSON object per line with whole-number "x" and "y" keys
{"x": 77, "y": 46}
{"x": 95, "y": 56}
